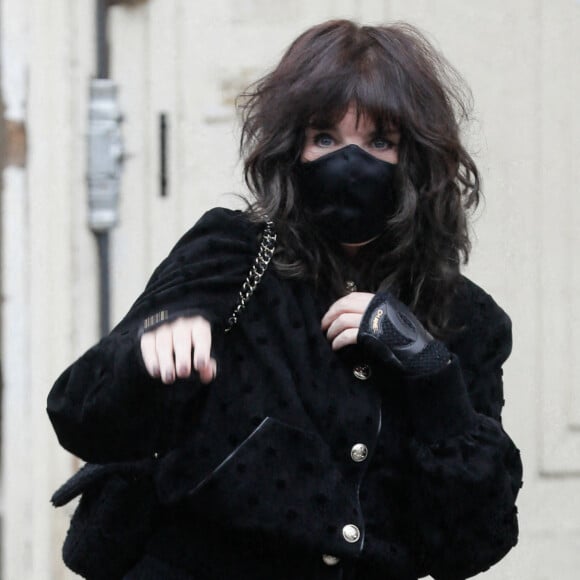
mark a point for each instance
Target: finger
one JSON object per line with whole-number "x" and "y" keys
{"x": 164, "y": 347}
{"x": 201, "y": 338}
{"x": 182, "y": 345}
{"x": 345, "y": 338}
{"x": 354, "y": 302}
{"x": 343, "y": 322}
{"x": 335, "y": 310}
{"x": 149, "y": 354}
{"x": 208, "y": 373}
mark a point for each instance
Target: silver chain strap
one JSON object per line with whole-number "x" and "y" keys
{"x": 265, "y": 253}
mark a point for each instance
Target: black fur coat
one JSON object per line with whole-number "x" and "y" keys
{"x": 260, "y": 471}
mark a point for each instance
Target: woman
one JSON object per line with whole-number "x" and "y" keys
{"x": 349, "y": 426}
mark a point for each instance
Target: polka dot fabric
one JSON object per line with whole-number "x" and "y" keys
{"x": 260, "y": 472}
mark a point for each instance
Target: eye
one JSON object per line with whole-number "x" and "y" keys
{"x": 382, "y": 143}
{"x": 323, "y": 140}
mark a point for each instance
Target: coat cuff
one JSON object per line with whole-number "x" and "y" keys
{"x": 439, "y": 404}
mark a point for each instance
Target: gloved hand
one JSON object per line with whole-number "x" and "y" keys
{"x": 393, "y": 334}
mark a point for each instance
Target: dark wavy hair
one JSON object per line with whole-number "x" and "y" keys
{"x": 395, "y": 77}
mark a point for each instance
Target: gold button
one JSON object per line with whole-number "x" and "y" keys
{"x": 362, "y": 372}
{"x": 359, "y": 452}
{"x": 350, "y": 286}
{"x": 351, "y": 533}
{"x": 330, "y": 560}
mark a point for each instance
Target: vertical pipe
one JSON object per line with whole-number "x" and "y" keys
{"x": 102, "y": 44}
{"x": 103, "y": 236}
{"x": 104, "y": 283}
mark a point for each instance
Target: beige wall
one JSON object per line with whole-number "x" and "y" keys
{"x": 189, "y": 59}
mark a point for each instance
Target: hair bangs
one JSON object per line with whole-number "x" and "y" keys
{"x": 327, "y": 105}
{"x": 376, "y": 101}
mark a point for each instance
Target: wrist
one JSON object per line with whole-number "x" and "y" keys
{"x": 433, "y": 358}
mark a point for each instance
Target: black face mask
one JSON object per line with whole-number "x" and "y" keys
{"x": 348, "y": 194}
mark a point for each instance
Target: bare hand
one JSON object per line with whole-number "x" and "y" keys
{"x": 167, "y": 350}
{"x": 342, "y": 320}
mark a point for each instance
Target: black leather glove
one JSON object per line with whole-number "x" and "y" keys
{"x": 392, "y": 333}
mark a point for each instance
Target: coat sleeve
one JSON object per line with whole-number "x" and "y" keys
{"x": 105, "y": 407}
{"x": 466, "y": 470}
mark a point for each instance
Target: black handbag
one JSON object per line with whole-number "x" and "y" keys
{"x": 118, "y": 506}
{"x": 114, "y": 518}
